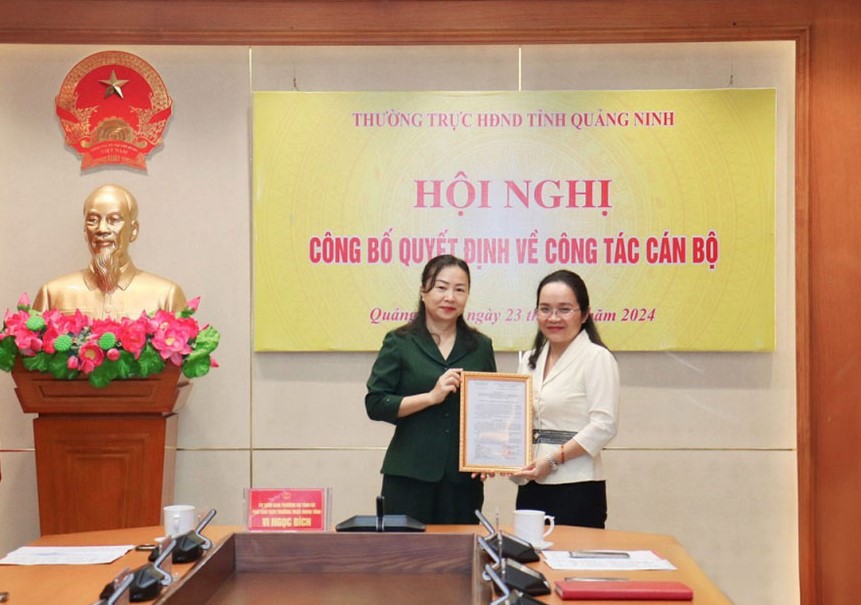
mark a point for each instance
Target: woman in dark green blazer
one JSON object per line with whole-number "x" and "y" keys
{"x": 414, "y": 385}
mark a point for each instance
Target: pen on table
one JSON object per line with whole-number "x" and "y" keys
{"x": 599, "y": 554}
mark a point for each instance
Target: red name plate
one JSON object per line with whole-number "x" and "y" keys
{"x": 288, "y": 509}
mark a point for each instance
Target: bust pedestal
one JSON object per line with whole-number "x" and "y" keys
{"x": 105, "y": 457}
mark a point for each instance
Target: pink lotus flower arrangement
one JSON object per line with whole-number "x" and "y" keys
{"x": 106, "y": 349}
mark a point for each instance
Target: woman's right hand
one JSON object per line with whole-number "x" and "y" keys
{"x": 448, "y": 383}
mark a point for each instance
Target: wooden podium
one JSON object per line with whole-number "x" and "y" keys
{"x": 104, "y": 457}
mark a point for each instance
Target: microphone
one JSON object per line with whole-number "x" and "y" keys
{"x": 148, "y": 579}
{"x": 381, "y": 522}
{"x": 509, "y": 597}
{"x": 190, "y": 545}
{"x": 381, "y": 513}
{"x": 510, "y": 547}
{"x": 516, "y": 575}
{"x": 115, "y": 589}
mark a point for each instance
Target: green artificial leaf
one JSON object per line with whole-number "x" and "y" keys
{"x": 37, "y": 363}
{"x": 195, "y": 368}
{"x": 8, "y": 352}
{"x": 6, "y": 360}
{"x": 99, "y": 377}
{"x": 206, "y": 341}
{"x": 104, "y": 374}
{"x": 127, "y": 367}
{"x": 59, "y": 368}
{"x": 196, "y": 354}
{"x": 150, "y": 362}
{"x": 111, "y": 369}
{"x": 8, "y": 345}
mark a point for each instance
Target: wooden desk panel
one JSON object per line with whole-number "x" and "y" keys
{"x": 230, "y": 574}
{"x": 352, "y": 568}
{"x": 351, "y": 588}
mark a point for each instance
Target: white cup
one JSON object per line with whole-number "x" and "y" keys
{"x": 529, "y": 525}
{"x": 179, "y": 519}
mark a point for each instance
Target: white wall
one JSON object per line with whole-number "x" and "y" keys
{"x": 706, "y": 450}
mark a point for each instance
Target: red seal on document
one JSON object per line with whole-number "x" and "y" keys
{"x": 113, "y": 107}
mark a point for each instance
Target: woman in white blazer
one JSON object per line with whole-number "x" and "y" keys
{"x": 575, "y": 405}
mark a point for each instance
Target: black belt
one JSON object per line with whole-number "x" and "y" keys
{"x": 554, "y": 437}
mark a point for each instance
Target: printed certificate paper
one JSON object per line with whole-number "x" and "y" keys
{"x": 495, "y": 422}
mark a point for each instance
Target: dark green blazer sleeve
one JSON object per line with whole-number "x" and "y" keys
{"x": 425, "y": 444}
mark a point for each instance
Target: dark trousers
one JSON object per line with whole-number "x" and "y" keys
{"x": 583, "y": 504}
{"x": 438, "y": 503}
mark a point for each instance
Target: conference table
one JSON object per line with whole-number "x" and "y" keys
{"x": 440, "y": 566}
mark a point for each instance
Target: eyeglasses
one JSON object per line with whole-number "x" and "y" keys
{"x": 561, "y": 313}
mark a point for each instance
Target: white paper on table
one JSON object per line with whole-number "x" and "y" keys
{"x": 637, "y": 560}
{"x": 65, "y": 555}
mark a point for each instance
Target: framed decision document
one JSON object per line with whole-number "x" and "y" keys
{"x": 495, "y": 422}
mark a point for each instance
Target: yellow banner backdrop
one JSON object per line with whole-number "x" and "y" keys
{"x": 663, "y": 201}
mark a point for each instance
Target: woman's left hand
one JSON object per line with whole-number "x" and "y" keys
{"x": 533, "y": 472}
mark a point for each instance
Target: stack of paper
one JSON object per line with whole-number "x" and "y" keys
{"x": 600, "y": 560}
{"x": 65, "y": 555}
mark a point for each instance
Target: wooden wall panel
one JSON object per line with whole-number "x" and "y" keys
{"x": 391, "y": 22}
{"x": 835, "y": 291}
{"x": 828, "y": 38}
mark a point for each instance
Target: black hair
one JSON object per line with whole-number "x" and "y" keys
{"x": 578, "y": 286}
{"x": 432, "y": 269}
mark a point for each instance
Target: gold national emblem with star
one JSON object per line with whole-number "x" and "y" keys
{"x": 113, "y": 107}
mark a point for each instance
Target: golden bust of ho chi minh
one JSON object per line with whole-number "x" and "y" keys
{"x": 111, "y": 286}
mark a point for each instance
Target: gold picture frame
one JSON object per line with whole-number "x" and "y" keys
{"x": 495, "y": 422}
